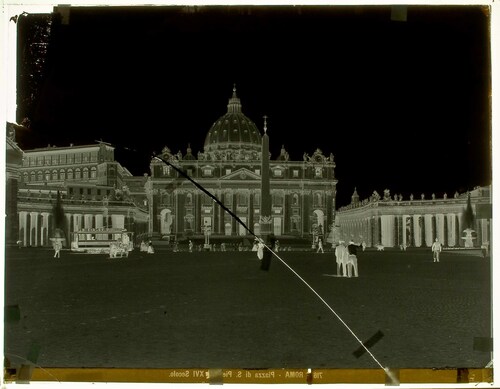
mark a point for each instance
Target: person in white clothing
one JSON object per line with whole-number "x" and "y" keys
{"x": 320, "y": 246}
{"x": 341, "y": 256}
{"x": 436, "y": 250}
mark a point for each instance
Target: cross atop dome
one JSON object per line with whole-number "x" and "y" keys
{"x": 265, "y": 124}
{"x": 234, "y": 105}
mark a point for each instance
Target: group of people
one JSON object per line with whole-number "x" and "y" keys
{"x": 147, "y": 247}
{"x": 346, "y": 258}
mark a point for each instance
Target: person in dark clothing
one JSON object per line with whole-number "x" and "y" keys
{"x": 266, "y": 260}
{"x": 352, "y": 261}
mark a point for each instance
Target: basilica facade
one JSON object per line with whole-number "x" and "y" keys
{"x": 229, "y": 167}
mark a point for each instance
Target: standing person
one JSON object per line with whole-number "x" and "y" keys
{"x": 436, "y": 250}
{"x": 352, "y": 248}
{"x": 320, "y": 246}
{"x": 57, "y": 245}
{"x": 190, "y": 246}
{"x": 268, "y": 252}
{"x": 339, "y": 256}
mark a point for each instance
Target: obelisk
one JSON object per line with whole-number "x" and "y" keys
{"x": 265, "y": 203}
{"x": 265, "y": 191}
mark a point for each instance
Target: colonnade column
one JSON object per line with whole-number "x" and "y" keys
{"x": 33, "y": 229}
{"x": 417, "y": 235}
{"x": 44, "y": 237}
{"x": 452, "y": 235}
{"x": 23, "y": 225}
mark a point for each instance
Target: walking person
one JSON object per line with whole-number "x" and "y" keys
{"x": 352, "y": 248}
{"x": 436, "y": 250}
{"x": 320, "y": 246}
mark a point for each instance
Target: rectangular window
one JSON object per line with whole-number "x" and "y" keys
{"x": 277, "y": 173}
{"x": 295, "y": 173}
{"x": 62, "y": 159}
{"x": 207, "y": 172}
{"x": 242, "y": 200}
{"x": 228, "y": 171}
{"x": 190, "y": 172}
{"x": 257, "y": 171}
{"x": 166, "y": 170}
{"x": 78, "y": 158}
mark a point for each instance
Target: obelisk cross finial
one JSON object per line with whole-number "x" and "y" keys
{"x": 265, "y": 123}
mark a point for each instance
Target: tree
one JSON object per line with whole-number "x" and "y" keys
{"x": 468, "y": 215}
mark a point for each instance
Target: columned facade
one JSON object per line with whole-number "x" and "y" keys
{"x": 416, "y": 223}
{"x": 301, "y": 192}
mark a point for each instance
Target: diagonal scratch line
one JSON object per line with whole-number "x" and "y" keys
{"x": 386, "y": 370}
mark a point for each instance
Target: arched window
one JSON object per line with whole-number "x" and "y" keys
{"x": 25, "y": 177}
{"x": 85, "y": 172}
{"x": 256, "y": 199}
{"x": 70, "y": 174}
{"x": 62, "y": 174}
{"x": 47, "y": 175}
{"x": 78, "y": 174}
{"x": 93, "y": 172}
{"x": 295, "y": 199}
{"x": 54, "y": 175}
{"x": 317, "y": 200}
{"x": 39, "y": 176}
{"x": 189, "y": 199}
{"x": 32, "y": 176}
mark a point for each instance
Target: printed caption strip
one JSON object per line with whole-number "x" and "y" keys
{"x": 255, "y": 376}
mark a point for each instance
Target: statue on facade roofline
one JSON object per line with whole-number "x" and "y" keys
{"x": 375, "y": 196}
{"x": 387, "y": 194}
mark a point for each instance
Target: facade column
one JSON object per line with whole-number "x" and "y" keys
{"x": 461, "y": 242}
{"x": 99, "y": 221}
{"x": 417, "y": 231}
{"x": 34, "y": 229}
{"x": 88, "y": 221}
{"x": 44, "y": 237}
{"x": 428, "y": 230}
{"x": 387, "y": 230}
{"x": 452, "y": 235}
{"x": 440, "y": 227}
{"x": 77, "y": 222}
{"x": 484, "y": 231}
{"x": 118, "y": 221}
{"x": 369, "y": 233}
{"x": 23, "y": 221}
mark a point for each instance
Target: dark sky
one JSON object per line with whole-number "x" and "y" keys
{"x": 402, "y": 105}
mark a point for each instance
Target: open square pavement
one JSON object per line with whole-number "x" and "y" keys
{"x": 219, "y": 310}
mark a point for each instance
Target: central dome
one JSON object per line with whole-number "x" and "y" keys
{"x": 233, "y": 130}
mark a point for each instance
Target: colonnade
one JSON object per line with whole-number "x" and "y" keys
{"x": 418, "y": 230}
{"x": 35, "y": 228}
